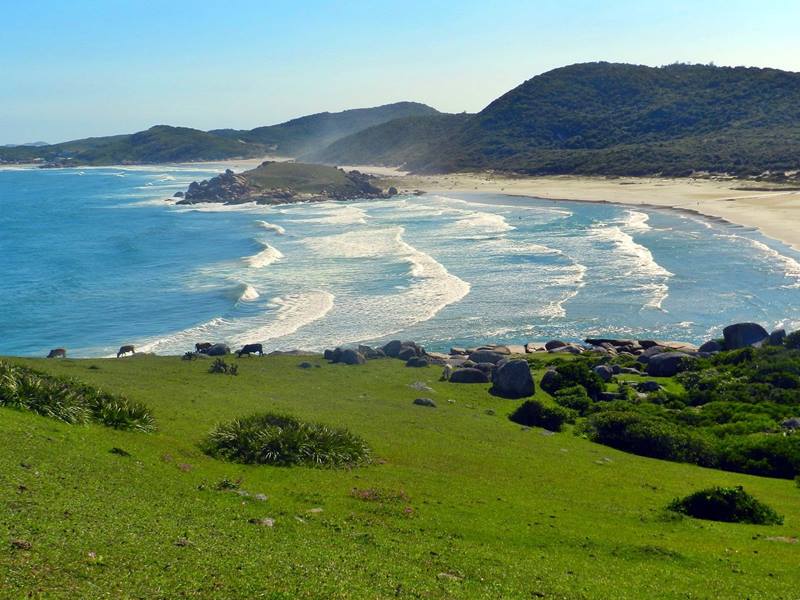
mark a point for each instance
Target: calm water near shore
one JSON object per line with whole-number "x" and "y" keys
{"x": 94, "y": 258}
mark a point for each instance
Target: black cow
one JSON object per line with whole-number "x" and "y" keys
{"x": 125, "y": 350}
{"x": 57, "y": 353}
{"x": 249, "y": 349}
{"x": 203, "y": 347}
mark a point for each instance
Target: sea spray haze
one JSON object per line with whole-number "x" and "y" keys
{"x": 95, "y": 257}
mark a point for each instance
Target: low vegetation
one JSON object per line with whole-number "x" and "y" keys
{"x": 271, "y": 439}
{"x": 457, "y": 502}
{"x": 732, "y": 505}
{"x": 732, "y": 411}
{"x": 69, "y": 400}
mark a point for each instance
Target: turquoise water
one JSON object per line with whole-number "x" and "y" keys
{"x": 94, "y": 258}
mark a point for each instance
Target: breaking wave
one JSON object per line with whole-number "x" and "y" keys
{"x": 266, "y": 257}
{"x": 271, "y": 227}
{"x": 283, "y": 316}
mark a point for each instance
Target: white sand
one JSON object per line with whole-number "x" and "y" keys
{"x": 774, "y": 213}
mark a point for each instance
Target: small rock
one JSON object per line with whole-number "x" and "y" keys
{"x": 265, "y": 522}
{"x": 425, "y": 402}
{"x": 21, "y": 545}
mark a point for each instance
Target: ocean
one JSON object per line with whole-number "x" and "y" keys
{"x": 94, "y": 258}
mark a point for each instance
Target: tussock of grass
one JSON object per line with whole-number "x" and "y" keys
{"x": 729, "y": 504}
{"x": 271, "y": 439}
{"x": 69, "y": 400}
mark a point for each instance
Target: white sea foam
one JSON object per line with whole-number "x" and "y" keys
{"x": 483, "y": 222}
{"x": 636, "y": 221}
{"x": 637, "y": 261}
{"x": 246, "y": 293}
{"x": 267, "y": 256}
{"x": 430, "y": 288}
{"x": 643, "y": 261}
{"x": 285, "y": 316}
{"x": 790, "y": 267}
{"x": 334, "y": 213}
{"x": 271, "y": 227}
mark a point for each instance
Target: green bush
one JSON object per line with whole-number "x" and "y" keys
{"x": 69, "y": 400}
{"x": 575, "y": 372}
{"x": 534, "y": 413}
{"x": 648, "y": 435}
{"x": 220, "y": 366}
{"x": 285, "y": 441}
{"x": 773, "y": 455}
{"x": 574, "y": 398}
{"x": 732, "y": 505}
{"x": 792, "y": 341}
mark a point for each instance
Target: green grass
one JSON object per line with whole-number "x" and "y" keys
{"x": 457, "y": 502}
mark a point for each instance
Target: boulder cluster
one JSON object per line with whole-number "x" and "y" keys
{"x": 227, "y": 187}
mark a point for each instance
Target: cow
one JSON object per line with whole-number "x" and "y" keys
{"x": 126, "y": 350}
{"x": 249, "y": 349}
{"x": 202, "y": 347}
{"x": 57, "y": 353}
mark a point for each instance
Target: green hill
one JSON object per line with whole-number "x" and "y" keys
{"x": 627, "y": 119}
{"x": 394, "y": 143}
{"x": 611, "y": 119}
{"x": 303, "y": 135}
{"x": 164, "y": 143}
{"x": 459, "y": 501}
{"x": 158, "y": 144}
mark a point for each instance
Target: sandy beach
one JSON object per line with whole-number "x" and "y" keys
{"x": 776, "y": 213}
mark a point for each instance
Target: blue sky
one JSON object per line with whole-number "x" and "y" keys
{"x": 79, "y": 68}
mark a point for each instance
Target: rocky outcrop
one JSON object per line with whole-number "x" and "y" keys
{"x": 667, "y": 364}
{"x": 227, "y": 187}
{"x": 218, "y": 350}
{"x": 742, "y": 335}
{"x": 263, "y": 186}
{"x": 604, "y": 371}
{"x": 513, "y": 379}
{"x": 469, "y": 376}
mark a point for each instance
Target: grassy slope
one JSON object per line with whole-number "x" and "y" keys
{"x": 300, "y": 177}
{"x": 514, "y": 513}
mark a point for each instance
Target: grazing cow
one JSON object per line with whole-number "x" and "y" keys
{"x": 57, "y": 353}
{"x": 249, "y": 349}
{"x": 125, "y": 350}
{"x": 203, "y": 347}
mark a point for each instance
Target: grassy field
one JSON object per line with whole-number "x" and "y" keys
{"x": 458, "y": 503}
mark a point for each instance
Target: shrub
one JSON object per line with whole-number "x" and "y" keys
{"x": 648, "y": 435}
{"x": 536, "y": 414}
{"x": 574, "y": 398}
{"x": 761, "y": 454}
{"x": 285, "y": 441}
{"x": 69, "y": 400}
{"x": 731, "y": 505}
{"x": 574, "y": 373}
{"x": 792, "y": 341}
{"x": 220, "y": 366}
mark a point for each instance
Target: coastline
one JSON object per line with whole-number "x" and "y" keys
{"x": 774, "y": 213}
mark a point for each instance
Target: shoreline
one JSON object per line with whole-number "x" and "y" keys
{"x": 774, "y": 213}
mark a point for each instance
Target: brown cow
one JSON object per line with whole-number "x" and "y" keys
{"x": 126, "y": 350}
{"x": 202, "y": 347}
{"x": 57, "y": 353}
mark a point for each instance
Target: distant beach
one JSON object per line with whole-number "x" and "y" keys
{"x": 775, "y": 213}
